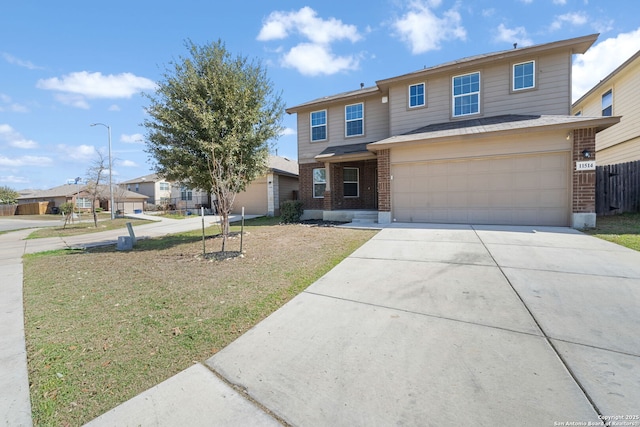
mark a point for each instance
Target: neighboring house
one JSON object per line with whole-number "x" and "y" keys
{"x": 617, "y": 94}
{"x": 157, "y": 189}
{"x": 488, "y": 139}
{"x": 125, "y": 201}
{"x": 264, "y": 195}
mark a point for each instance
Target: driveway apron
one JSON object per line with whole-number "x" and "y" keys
{"x": 453, "y": 325}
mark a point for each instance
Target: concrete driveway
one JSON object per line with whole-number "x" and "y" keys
{"x": 433, "y": 325}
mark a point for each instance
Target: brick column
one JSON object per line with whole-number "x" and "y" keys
{"x": 384, "y": 186}
{"x": 583, "y": 205}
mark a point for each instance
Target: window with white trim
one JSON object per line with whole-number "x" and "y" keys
{"x": 318, "y": 125}
{"x": 164, "y": 186}
{"x": 354, "y": 119}
{"x": 319, "y": 183}
{"x": 83, "y": 202}
{"x": 466, "y": 94}
{"x": 186, "y": 194}
{"x": 607, "y": 103}
{"x": 351, "y": 183}
{"x": 416, "y": 95}
{"x": 524, "y": 75}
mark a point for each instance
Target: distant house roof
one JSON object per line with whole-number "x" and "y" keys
{"x": 153, "y": 177}
{"x": 496, "y": 124}
{"x": 283, "y": 166}
{"x": 69, "y": 190}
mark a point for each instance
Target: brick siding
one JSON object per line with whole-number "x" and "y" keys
{"x": 584, "y": 182}
{"x": 384, "y": 181}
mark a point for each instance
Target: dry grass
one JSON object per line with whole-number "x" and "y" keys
{"x": 103, "y": 326}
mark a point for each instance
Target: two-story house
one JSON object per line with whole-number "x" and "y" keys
{"x": 616, "y": 95}
{"x": 488, "y": 139}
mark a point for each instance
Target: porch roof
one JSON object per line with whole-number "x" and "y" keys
{"x": 504, "y": 124}
{"x": 344, "y": 153}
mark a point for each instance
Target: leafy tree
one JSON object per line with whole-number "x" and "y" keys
{"x": 8, "y": 196}
{"x": 211, "y": 120}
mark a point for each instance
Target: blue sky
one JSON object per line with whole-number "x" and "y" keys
{"x": 65, "y": 65}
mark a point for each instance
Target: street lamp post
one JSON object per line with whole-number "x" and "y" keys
{"x": 111, "y": 205}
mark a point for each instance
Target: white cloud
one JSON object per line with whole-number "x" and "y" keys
{"x": 288, "y": 131}
{"x": 128, "y": 164}
{"x": 15, "y": 139}
{"x": 573, "y": 18}
{"x": 423, "y": 31}
{"x": 12, "y": 179}
{"x": 114, "y": 107}
{"x": 599, "y": 61}
{"x": 280, "y": 25}
{"x": 74, "y": 88}
{"x": 7, "y": 105}
{"x": 19, "y": 62}
{"x": 487, "y": 13}
{"x": 83, "y": 153}
{"x": 136, "y": 138}
{"x": 314, "y": 56}
{"x": 560, "y": 2}
{"x": 312, "y": 60}
{"x": 25, "y": 161}
{"x": 512, "y": 35}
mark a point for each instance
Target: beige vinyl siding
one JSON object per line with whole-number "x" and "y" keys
{"x": 286, "y": 186}
{"x": 627, "y": 151}
{"x": 376, "y": 127}
{"x": 621, "y": 142}
{"x": 550, "y": 96}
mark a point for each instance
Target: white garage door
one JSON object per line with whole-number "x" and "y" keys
{"x": 513, "y": 190}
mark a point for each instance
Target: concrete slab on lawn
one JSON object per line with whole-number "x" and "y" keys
{"x": 327, "y": 361}
{"x": 467, "y": 293}
{"x": 194, "y": 397}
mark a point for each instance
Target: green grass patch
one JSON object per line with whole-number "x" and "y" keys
{"x": 103, "y": 326}
{"x": 623, "y": 229}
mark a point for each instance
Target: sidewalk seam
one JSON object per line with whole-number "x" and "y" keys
{"x": 242, "y": 391}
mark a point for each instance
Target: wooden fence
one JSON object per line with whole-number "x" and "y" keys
{"x": 8, "y": 210}
{"x": 618, "y": 188}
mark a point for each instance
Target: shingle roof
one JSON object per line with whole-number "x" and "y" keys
{"x": 147, "y": 178}
{"x": 495, "y": 124}
{"x": 282, "y": 165}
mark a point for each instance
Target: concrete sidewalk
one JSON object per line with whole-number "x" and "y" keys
{"x": 431, "y": 325}
{"x": 15, "y": 406}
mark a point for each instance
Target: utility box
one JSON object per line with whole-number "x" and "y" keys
{"x": 125, "y": 243}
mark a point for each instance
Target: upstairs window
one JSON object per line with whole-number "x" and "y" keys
{"x": 319, "y": 183}
{"x": 319, "y": 125}
{"x": 524, "y": 75}
{"x": 466, "y": 94}
{"x": 607, "y": 103}
{"x": 164, "y": 186}
{"x": 354, "y": 119}
{"x": 351, "y": 182}
{"x": 416, "y": 95}
{"x": 186, "y": 194}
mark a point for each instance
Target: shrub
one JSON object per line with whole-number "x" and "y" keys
{"x": 291, "y": 211}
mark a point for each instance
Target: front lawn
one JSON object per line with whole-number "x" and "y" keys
{"x": 623, "y": 229}
{"x": 102, "y": 326}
